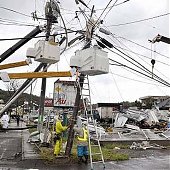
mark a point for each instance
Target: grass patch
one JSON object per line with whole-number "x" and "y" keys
{"x": 114, "y": 145}
{"x": 109, "y": 154}
{"x": 47, "y": 154}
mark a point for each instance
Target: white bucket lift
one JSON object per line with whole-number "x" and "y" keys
{"x": 91, "y": 61}
{"x": 45, "y": 52}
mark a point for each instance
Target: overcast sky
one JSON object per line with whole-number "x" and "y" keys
{"x": 120, "y": 84}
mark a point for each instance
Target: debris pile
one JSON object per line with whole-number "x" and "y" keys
{"x": 146, "y": 145}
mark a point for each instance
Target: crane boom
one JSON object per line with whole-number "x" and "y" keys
{"x": 159, "y": 38}
{"x": 39, "y": 75}
{"x": 16, "y": 64}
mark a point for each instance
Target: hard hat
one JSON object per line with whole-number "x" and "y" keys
{"x": 84, "y": 123}
{"x": 60, "y": 117}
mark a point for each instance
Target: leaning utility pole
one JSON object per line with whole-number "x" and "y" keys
{"x": 20, "y": 43}
{"x": 89, "y": 31}
{"x": 48, "y": 15}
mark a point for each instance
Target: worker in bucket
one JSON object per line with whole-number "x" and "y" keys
{"x": 82, "y": 142}
{"x": 59, "y": 129}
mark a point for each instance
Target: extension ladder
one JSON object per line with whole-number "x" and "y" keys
{"x": 86, "y": 98}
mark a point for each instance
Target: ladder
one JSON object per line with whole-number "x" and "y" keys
{"x": 86, "y": 98}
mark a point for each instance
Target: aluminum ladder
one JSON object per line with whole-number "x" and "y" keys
{"x": 86, "y": 99}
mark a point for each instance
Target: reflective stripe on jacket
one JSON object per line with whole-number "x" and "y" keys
{"x": 85, "y": 136}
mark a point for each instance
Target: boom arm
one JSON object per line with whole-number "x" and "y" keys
{"x": 39, "y": 75}
{"x": 20, "y": 43}
{"x": 159, "y": 38}
{"x": 16, "y": 64}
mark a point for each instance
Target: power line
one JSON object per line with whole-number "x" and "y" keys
{"x": 137, "y": 21}
{"x": 139, "y": 66}
{"x": 137, "y": 55}
{"x": 14, "y": 22}
{"x": 15, "y": 11}
{"x": 120, "y": 64}
{"x": 103, "y": 11}
{"x": 142, "y": 67}
{"x": 140, "y": 45}
{"x": 117, "y": 88}
{"x": 9, "y": 39}
{"x": 142, "y": 55}
{"x": 110, "y": 9}
{"x": 133, "y": 79}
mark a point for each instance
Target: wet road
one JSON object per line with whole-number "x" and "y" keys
{"x": 10, "y": 148}
{"x": 151, "y": 163}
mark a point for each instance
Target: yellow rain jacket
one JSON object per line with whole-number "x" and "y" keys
{"x": 59, "y": 128}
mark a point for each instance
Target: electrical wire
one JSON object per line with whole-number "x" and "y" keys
{"x": 142, "y": 20}
{"x": 132, "y": 72}
{"x": 140, "y": 66}
{"x": 142, "y": 55}
{"x": 168, "y": 85}
{"x": 17, "y": 24}
{"x": 138, "y": 56}
{"x": 13, "y": 22}
{"x": 110, "y": 9}
{"x": 9, "y": 39}
{"x": 133, "y": 79}
{"x": 15, "y": 11}
{"x": 139, "y": 45}
{"x": 66, "y": 32}
{"x": 103, "y": 11}
{"x": 117, "y": 87}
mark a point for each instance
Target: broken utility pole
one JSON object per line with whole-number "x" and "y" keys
{"x": 89, "y": 32}
{"x": 48, "y": 15}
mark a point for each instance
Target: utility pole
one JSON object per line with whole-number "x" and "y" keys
{"x": 48, "y": 15}
{"x": 74, "y": 117}
{"x": 20, "y": 43}
{"x": 88, "y": 34}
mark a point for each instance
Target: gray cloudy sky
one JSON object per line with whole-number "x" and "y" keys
{"x": 120, "y": 84}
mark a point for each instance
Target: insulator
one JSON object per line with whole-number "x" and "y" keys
{"x": 153, "y": 62}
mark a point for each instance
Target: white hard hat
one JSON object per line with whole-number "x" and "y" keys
{"x": 60, "y": 117}
{"x": 84, "y": 123}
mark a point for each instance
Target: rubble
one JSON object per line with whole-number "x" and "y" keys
{"x": 146, "y": 145}
{"x": 139, "y": 125}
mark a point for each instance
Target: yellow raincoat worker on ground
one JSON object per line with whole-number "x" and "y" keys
{"x": 59, "y": 128}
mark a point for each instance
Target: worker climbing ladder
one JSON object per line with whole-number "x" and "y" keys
{"x": 86, "y": 98}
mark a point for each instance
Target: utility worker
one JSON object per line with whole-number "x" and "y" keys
{"x": 59, "y": 128}
{"x": 82, "y": 143}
